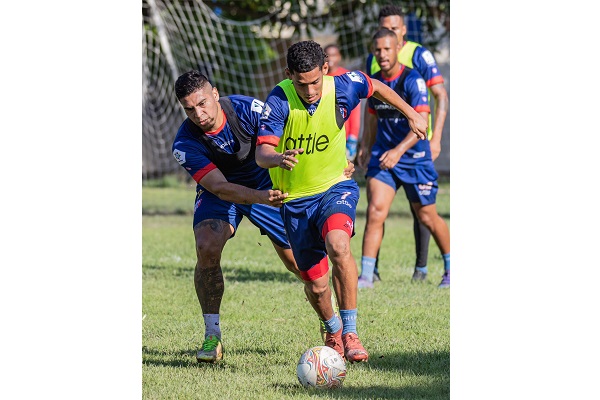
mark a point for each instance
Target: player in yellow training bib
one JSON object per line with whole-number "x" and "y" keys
{"x": 302, "y": 141}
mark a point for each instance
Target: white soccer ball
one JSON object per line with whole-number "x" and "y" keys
{"x": 321, "y": 367}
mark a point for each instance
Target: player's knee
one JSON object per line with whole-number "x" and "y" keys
{"x": 427, "y": 218}
{"x": 315, "y": 288}
{"x": 375, "y": 213}
{"x": 338, "y": 246}
{"x": 209, "y": 250}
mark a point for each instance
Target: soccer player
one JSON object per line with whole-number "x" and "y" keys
{"x": 216, "y": 145}
{"x": 398, "y": 159}
{"x": 334, "y": 58}
{"x": 302, "y": 141}
{"x": 417, "y": 57}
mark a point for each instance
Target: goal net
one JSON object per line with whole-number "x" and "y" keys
{"x": 242, "y": 57}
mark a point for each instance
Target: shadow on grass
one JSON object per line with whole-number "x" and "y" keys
{"x": 434, "y": 365}
{"x": 435, "y": 391}
{"x": 179, "y": 359}
{"x": 236, "y": 274}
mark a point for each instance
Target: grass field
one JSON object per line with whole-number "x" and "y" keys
{"x": 267, "y": 322}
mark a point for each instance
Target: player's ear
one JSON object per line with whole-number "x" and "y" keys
{"x": 288, "y": 73}
{"x": 216, "y": 93}
{"x": 326, "y": 68}
{"x": 403, "y": 30}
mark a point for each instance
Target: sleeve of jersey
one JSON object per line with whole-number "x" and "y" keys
{"x": 350, "y": 88}
{"x": 415, "y": 87}
{"x": 248, "y": 110}
{"x": 193, "y": 161}
{"x": 426, "y": 65}
{"x": 272, "y": 120}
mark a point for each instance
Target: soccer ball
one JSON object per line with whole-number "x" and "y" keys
{"x": 321, "y": 367}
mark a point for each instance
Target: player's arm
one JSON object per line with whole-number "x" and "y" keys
{"x": 391, "y": 157}
{"x": 440, "y": 111}
{"x": 386, "y": 94}
{"x": 268, "y": 157}
{"x": 216, "y": 183}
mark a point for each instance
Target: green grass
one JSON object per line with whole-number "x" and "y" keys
{"x": 267, "y": 322}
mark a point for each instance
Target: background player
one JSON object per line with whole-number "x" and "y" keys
{"x": 352, "y": 125}
{"x": 417, "y": 57}
{"x": 398, "y": 158}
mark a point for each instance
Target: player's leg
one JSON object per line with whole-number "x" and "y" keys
{"x": 311, "y": 259}
{"x": 268, "y": 220}
{"x": 336, "y": 222}
{"x": 422, "y": 198}
{"x": 214, "y": 223}
{"x": 422, "y": 236}
{"x": 380, "y": 195}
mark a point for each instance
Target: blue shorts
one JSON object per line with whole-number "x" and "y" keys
{"x": 266, "y": 218}
{"x": 304, "y": 219}
{"x": 420, "y": 184}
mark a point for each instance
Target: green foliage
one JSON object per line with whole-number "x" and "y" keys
{"x": 267, "y": 322}
{"x": 435, "y": 15}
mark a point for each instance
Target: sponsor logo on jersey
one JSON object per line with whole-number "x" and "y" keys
{"x": 265, "y": 112}
{"x": 419, "y": 154}
{"x": 428, "y": 57}
{"x": 257, "y": 106}
{"x": 355, "y": 77}
{"x": 179, "y": 156}
{"x": 311, "y": 143}
{"x": 421, "y": 85}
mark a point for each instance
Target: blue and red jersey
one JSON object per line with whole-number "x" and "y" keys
{"x": 392, "y": 125}
{"x": 196, "y": 159}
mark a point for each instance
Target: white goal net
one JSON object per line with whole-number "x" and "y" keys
{"x": 242, "y": 57}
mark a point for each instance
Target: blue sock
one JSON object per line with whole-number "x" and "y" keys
{"x": 422, "y": 269}
{"x": 446, "y": 258}
{"x": 333, "y": 325}
{"x": 367, "y": 266}
{"x": 348, "y": 320}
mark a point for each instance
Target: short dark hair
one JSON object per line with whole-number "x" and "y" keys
{"x": 305, "y": 56}
{"x": 383, "y": 32}
{"x": 189, "y": 82}
{"x": 389, "y": 10}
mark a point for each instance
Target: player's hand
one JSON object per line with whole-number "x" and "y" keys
{"x": 436, "y": 148}
{"x": 419, "y": 126}
{"x": 349, "y": 170}
{"x": 389, "y": 159}
{"x": 363, "y": 157}
{"x": 275, "y": 197}
{"x": 288, "y": 160}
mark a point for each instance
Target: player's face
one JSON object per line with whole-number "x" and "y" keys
{"x": 202, "y": 107}
{"x": 334, "y": 58}
{"x": 308, "y": 85}
{"x": 394, "y": 23}
{"x": 386, "y": 50}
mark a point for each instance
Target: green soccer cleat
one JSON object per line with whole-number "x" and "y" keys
{"x": 212, "y": 350}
